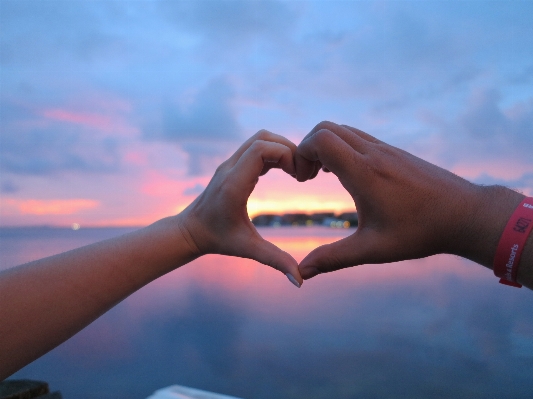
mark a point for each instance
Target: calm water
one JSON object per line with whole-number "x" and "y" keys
{"x": 437, "y": 327}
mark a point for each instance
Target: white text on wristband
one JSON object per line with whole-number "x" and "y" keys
{"x": 512, "y": 243}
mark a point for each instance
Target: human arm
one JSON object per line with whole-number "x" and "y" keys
{"x": 45, "y": 302}
{"x": 408, "y": 208}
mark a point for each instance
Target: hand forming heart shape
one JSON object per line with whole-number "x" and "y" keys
{"x": 398, "y": 196}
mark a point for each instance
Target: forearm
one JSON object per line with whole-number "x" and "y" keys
{"x": 60, "y": 295}
{"x": 45, "y": 302}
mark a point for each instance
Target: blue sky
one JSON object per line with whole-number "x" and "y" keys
{"x": 118, "y": 112}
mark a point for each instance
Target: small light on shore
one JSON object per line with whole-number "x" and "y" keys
{"x": 75, "y": 226}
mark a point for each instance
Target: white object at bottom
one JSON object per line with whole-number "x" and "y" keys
{"x": 181, "y": 392}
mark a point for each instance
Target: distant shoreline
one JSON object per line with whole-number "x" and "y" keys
{"x": 324, "y": 219}
{"x": 318, "y": 219}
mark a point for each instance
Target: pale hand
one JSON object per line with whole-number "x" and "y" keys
{"x": 217, "y": 222}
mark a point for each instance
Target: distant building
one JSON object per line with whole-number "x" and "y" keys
{"x": 350, "y": 217}
{"x": 295, "y": 219}
{"x": 344, "y": 220}
{"x": 318, "y": 218}
{"x": 267, "y": 220}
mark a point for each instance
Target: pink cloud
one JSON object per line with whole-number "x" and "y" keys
{"x": 49, "y": 207}
{"x": 138, "y": 158}
{"x": 113, "y": 123}
{"x": 159, "y": 185}
{"x": 94, "y": 120}
{"x": 506, "y": 169}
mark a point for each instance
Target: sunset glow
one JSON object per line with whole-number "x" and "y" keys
{"x": 92, "y": 120}
{"x": 49, "y": 207}
{"x": 298, "y": 204}
{"x": 118, "y": 114}
{"x": 109, "y": 120}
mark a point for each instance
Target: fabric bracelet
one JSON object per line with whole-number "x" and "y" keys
{"x": 512, "y": 243}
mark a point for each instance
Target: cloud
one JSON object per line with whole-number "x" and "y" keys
{"x": 195, "y": 190}
{"x": 48, "y": 31}
{"x": 522, "y": 183}
{"x": 523, "y": 77}
{"x": 485, "y": 120}
{"x": 207, "y": 129}
{"x": 501, "y": 130}
{"x": 52, "y": 141}
{"x": 390, "y": 56}
{"x": 489, "y": 141}
{"x": 48, "y": 151}
{"x": 204, "y": 158}
{"x": 209, "y": 117}
{"x": 8, "y": 187}
{"x": 79, "y": 118}
{"x": 228, "y": 22}
{"x": 48, "y": 207}
{"x": 284, "y": 66}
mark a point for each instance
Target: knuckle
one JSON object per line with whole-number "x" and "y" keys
{"x": 323, "y": 136}
{"x": 263, "y": 135}
{"x": 221, "y": 168}
{"x": 386, "y": 149}
{"x": 258, "y": 146}
{"x": 379, "y": 167}
{"x": 285, "y": 151}
{"x": 325, "y": 125}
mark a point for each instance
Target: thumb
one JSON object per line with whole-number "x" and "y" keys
{"x": 353, "y": 250}
{"x": 267, "y": 253}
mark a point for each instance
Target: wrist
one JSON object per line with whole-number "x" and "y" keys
{"x": 181, "y": 223}
{"x": 492, "y": 206}
{"x": 525, "y": 267}
{"x": 166, "y": 246}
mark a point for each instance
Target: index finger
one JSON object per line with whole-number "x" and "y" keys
{"x": 331, "y": 151}
{"x": 249, "y": 166}
{"x": 263, "y": 135}
{"x": 307, "y": 169}
{"x": 362, "y": 134}
{"x": 353, "y": 139}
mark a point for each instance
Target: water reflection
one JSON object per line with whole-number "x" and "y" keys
{"x": 436, "y": 327}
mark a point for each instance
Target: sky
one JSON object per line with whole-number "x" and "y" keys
{"x": 118, "y": 112}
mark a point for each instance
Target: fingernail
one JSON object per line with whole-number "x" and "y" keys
{"x": 293, "y": 280}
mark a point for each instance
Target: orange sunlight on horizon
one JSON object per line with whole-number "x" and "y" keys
{"x": 158, "y": 196}
{"x": 278, "y": 193}
{"x": 50, "y": 207}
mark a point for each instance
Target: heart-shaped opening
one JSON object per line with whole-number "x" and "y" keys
{"x": 277, "y": 194}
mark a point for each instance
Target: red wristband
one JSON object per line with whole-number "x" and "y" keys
{"x": 512, "y": 243}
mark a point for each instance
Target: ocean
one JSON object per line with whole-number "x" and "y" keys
{"x": 438, "y": 327}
